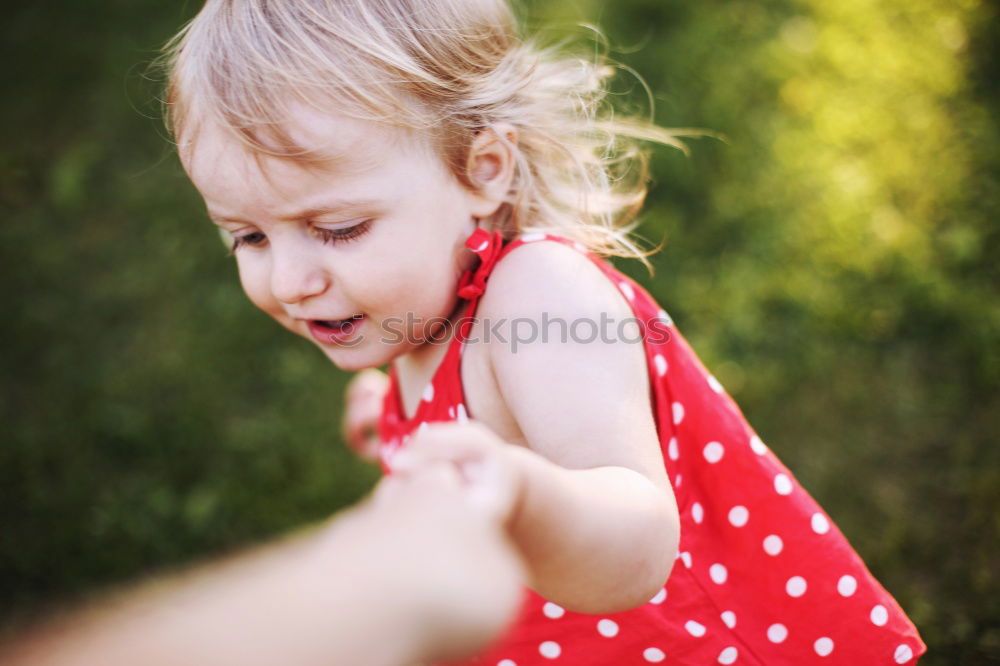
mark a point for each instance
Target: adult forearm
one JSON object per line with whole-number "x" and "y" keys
{"x": 595, "y": 540}
{"x": 284, "y": 604}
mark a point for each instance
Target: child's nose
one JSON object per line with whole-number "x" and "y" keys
{"x": 297, "y": 273}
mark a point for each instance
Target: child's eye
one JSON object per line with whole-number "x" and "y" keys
{"x": 257, "y": 238}
{"x": 343, "y": 235}
{"x": 251, "y": 239}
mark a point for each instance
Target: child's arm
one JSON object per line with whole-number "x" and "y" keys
{"x": 598, "y": 522}
{"x": 421, "y": 572}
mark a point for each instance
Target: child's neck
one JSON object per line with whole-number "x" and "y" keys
{"x": 416, "y": 368}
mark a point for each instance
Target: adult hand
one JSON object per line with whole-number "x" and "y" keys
{"x": 453, "y": 557}
{"x": 475, "y": 453}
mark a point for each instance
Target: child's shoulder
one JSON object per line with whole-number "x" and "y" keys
{"x": 559, "y": 364}
{"x": 545, "y": 275}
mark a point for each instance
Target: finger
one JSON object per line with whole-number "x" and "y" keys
{"x": 433, "y": 482}
{"x": 352, "y": 435}
{"x": 490, "y": 488}
{"x": 412, "y": 459}
{"x": 470, "y": 433}
{"x": 488, "y": 485}
{"x": 436, "y": 477}
{"x": 369, "y": 382}
{"x": 358, "y": 432}
{"x": 365, "y": 401}
{"x": 369, "y": 449}
{"x": 354, "y": 429}
{"x": 451, "y": 440}
{"x": 442, "y": 444}
{"x": 347, "y": 430}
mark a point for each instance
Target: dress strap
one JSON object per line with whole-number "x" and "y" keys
{"x": 490, "y": 248}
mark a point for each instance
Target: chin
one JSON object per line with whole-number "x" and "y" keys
{"x": 351, "y": 360}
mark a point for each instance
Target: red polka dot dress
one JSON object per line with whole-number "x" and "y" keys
{"x": 763, "y": 576}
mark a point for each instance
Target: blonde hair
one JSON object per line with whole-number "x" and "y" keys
{"x": 447, "y": 67}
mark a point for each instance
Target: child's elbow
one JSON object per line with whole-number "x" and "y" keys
{"x": 662, "y": 564}
{"x": 647, "y": 582}
{"x": 652, "y": 573}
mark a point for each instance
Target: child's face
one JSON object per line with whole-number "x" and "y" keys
{"x": 377, "y": 233}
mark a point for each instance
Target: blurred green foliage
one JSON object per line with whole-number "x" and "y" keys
{"x": 834, "y": 261}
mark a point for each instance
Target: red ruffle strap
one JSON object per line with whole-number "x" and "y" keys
{"x": 488, "y": 246}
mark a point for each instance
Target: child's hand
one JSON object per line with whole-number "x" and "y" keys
{"x": 476, "y": 453}
{"x": 362, "y": 410}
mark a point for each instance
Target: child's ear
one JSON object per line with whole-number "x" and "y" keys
{"x": 492, "y": 158}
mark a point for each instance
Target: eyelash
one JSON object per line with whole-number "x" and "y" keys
{"x": 333, "y": 236}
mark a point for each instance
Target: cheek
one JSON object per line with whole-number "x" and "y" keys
{"x": 254, "y": 280}
{"x": 421, "y": 285}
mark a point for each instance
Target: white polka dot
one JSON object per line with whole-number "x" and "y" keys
{"x": 580, "y": 246}
{"x": 714, "y": 383}
{"x": 659, "y": 597}
{"x": 777, "y": 633}
{"x": 429, "y": 393}
{"x": 627, "y": 290}
{"x": 653, "y": 655}
{"x": 550, "y": 649}
{"x": 685, "y": 557}
{"x": 482, "y": 246}
{"x": 665, "y": 318}
{"x": 782, "y": 484}
{"x": 697, "y": 513}
{"x": 728, "y": 655}
{"x": 451, "y": 411}
{"x": 823, "y": 646}
{"x": 696, "y": 629}
{"x": 796, "y": 586}
{"x": 677, "y": 481}
{"x": 553, "y": 611}
{"x": 672, "y": 449}
{"x": 847, "y": 585}
{"x": 461, "y": 414}
{"x": 820, "y": 524}
{"x": 903, "y": 654}
{"x": 729, "y": 618}
{"x": 773, "y": 544}
{"x": 506, "y": 662}
{"x": 738, "y": 516}
{"x": 529, "y": 238}
{"x": 713, "y": 452}
{"x": 607, "y": 628}
{"x": 661, "y": 365}
{"x": 757, "y": 446}
{"x": 678, "y": 412}
{"x": 718, "y": 574}
{"x": 879, "y": 615}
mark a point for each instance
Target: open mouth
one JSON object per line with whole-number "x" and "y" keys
{"x": 339, "y": 324}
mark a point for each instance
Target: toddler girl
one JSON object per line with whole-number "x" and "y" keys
{"x": 408, "y": 183}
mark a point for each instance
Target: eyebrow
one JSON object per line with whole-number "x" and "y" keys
{"x": 325, "y": 208}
